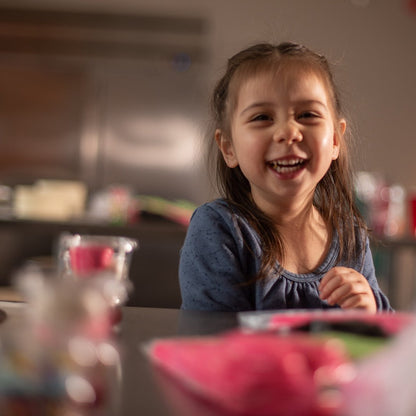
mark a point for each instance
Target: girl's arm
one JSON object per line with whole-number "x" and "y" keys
{"x": 211, "y": 275}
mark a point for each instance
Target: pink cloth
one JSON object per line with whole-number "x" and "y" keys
{"x": 257, "y": 374}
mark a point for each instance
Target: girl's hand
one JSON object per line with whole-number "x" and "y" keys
{"x": 347, "y": 288}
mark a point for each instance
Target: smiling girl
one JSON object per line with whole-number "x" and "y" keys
{"x": 285, "y": 232}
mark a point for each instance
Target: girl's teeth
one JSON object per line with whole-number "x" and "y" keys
{"x": 287, "y": 166}
{"x": 281, "y": 169}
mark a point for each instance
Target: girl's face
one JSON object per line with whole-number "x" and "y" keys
{"x": 282, "y": 136}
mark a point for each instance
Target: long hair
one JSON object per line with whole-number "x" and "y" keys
{"x": 333, "y": 197}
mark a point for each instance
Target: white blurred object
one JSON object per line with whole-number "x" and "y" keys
{"x": 383, "y": 206}
{"x": 114, "y": 204}
{"x": 63, "y": 306}
{"x": 396, "y": 214}
{"x": 50, "y": 200}
{"x": 385, "y": 383}
{"x": 365, "y": 185}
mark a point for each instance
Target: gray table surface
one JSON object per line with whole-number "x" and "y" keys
{"x": 144, "y": 390}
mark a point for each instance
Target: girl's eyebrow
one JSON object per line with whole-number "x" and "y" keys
{"x": 311, "y": 102}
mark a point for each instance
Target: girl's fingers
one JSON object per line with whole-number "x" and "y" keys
{"x": 328, "y": 278}
{"x": 335, "y": 296}
{"x": 334, "y": 278}
{"x": 353, "y": 302}
{"x": 329, "y": 283}
{"x": 347, "y": 288}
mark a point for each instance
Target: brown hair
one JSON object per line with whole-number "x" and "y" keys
{"x": 334, "y": 197}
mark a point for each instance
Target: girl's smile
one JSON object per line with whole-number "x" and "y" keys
{"x": 287, "y": 167}
{"x": 283, "y": 136}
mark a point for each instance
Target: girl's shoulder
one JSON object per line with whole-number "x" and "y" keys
{"x": 217, "y": 208}
{"x": 219, "y": 213}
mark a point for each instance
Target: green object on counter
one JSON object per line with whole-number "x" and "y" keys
{"x": 358, "y": 346}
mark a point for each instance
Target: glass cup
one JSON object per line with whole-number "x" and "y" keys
{"x": 106, "y": 259}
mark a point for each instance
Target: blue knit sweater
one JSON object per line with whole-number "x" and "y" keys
{"x": 222, "y": 252}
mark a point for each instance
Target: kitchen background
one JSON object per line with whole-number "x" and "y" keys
{"x": 104, "y": 110}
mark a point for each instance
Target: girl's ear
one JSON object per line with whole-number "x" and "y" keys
{"x": 227, "y": 149}
{"x": 338, "y": 134}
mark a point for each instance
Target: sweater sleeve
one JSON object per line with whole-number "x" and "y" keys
{"x": 368, "y": 272}
{"x": 211, "y": 274}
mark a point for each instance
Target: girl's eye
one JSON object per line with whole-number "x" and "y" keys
{"x": 308, "y": 114}
{"x": 261, "y": 117}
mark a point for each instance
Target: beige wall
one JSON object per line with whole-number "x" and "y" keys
{"x": 372, "y": 43}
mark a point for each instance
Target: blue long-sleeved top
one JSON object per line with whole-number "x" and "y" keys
{"x": 222, "y": 252}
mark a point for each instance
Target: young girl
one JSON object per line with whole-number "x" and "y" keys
{"x": 286, "y": 232}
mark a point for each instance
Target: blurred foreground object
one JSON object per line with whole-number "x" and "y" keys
{"x": 297, "y": 363}
{"x": 385, "y": 383}
{"x": 257, "y": 374}
{"x": 61, "y": 359}
{"x": 283, "y": 321}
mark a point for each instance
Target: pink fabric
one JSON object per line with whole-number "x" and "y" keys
{"x": 257, "y": 374}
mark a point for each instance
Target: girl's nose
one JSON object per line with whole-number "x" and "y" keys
{"x": 287, "y": 132}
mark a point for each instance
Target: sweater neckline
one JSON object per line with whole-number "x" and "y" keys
{"x": 313, "y": 276}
